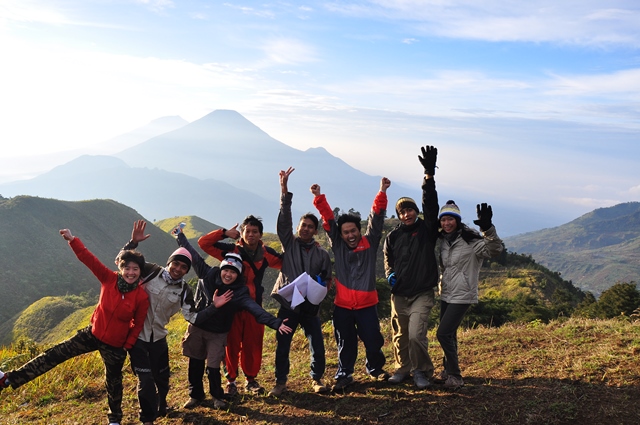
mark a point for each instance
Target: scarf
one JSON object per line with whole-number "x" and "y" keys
{"x": 125, "y": 287}
{"x": 167, "y": 278}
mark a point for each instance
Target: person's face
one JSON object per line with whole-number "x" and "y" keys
{"x": 228, "y": 276}
{"x": 350, "y": 234}
{"x": 177, "y": 269}
{"x": 448, "y": 223}
{"x": 251, "y": 235}
{"x": 407, "y": 216}
{"x": 306, "y": 230}
{"x": 130, "y": 272}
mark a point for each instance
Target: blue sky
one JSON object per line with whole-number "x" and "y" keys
{"x": 532, "y": 105}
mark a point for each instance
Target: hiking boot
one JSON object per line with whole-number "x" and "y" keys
{"x": 421, "y": 380}
{"x": 441, "y": 378}
{"x": 319, "y": 387}
{"x": 191, "y": 403}
{"x": 231, "y": 389}
{"x": 342, "y": 383}
{"x": 219, "y": 404}
{"x": 454, "y": 382}
{"x": 397, "y": 378}
{"x": 381, "y": 376}
{"x": 278, "y": 390}
{"x": 254, "y": 387}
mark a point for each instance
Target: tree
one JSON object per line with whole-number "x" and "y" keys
{"x": 619, "y": 300}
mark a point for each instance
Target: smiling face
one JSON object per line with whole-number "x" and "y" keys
{"x": 350, "y": 234}
{"x": 306, "y": 230}
{"x": 251, "y": 235}
{"x": 177, "y": 269}
{"x": 407, "y": 216}
{"x": 130, "y": 271}
{"x": 448, "y": 223}
{"x": 228, "y": 276}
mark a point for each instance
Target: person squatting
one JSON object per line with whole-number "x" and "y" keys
{"x": 422, "y": 255}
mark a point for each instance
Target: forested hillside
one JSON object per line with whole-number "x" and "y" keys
{"x": 594, "y": 251}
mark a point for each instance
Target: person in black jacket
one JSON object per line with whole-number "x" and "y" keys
{"x": 220, "y": 293}
{"x": 412, "y": 271}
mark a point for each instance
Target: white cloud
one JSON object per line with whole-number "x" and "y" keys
{"x": 289, "y": 51}
{"x": 30, "y": 11}
{"x": 157, "y": 5}
{"x": 582, "y": 22}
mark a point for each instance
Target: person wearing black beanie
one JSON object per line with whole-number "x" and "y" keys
{"x": 412, "y": 271}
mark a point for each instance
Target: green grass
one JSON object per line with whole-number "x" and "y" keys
{"x": 573, "y": 371}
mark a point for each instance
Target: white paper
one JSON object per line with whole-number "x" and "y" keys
{"x": 304, "y": 286}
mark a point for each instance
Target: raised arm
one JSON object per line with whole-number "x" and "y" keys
{"x": 197, "y": 262}
{"x": 430, "y": 205}
{"x": 492, "y": 244}
{"x": 284, "y": 226}
{"x": 376, "y": 217}
{"x": 326, "y": 213}
{"x": 87, "y": 258}
{"x": 212, "y": 245}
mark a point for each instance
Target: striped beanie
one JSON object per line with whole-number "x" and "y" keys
{"x": 406, "y": 202}
{"x": 450, "y": 208}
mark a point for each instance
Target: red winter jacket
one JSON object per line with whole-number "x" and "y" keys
{"x": 118, "y": 318}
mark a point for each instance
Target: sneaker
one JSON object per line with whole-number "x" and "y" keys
{"x": 254, "y": 387}
{"x": 319, "y": 387}
{"x": 397, "y": 378}
{"x": 191, "y": 403}
{"x": 219, "y": 404}
{"x": 441, "y": 378}
{"x": 342, "y": 383}
{"x": 421, "y": 380}
{"x": 381, "y": 376}
{"x": 3, "y": 380}
{"x": 454, "y": 382}
{"x": 231, "y": 389}
{"x": 278, "y": 390}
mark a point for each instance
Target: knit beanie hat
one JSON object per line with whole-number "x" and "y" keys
{"x": 181, "y": 254}
{"x": 406, "y": 202}
{"x": 233, "y": 262}
{"x": 450, "y": 208}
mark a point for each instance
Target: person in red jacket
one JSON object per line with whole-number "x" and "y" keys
{"x": 244, "y": 342}
{"x": 115, "y": 324}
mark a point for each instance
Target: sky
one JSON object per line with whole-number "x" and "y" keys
{"x": 532, "y": 105}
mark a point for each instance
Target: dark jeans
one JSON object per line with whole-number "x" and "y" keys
{"x": 348, "y": 326}
{"x": 451, "y": 316}
{"x": 313, "y": 331}
{"x": 150, "y": 363}
{"x": 82, "y": 342}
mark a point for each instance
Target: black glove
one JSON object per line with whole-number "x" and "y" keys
{"x": 428, "y": 159}
{"x": 484, "y": 217}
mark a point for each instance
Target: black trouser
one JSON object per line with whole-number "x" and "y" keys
{"x": 451, "y": 316}
{"x": 150, "y": 363}
{"x": 82, "y": 342}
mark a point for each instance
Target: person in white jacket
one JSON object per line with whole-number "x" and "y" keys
{"x": 461, "y": 253}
